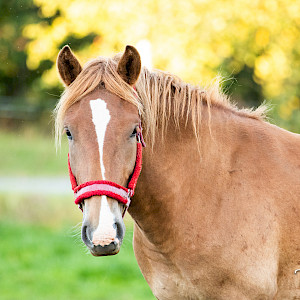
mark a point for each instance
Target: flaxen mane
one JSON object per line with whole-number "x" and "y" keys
{"x": 159, "y": 96}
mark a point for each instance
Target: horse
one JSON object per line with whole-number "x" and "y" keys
{"x": 216, "y": 207}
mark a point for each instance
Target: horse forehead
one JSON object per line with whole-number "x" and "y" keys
{"x": 120, "y": 110}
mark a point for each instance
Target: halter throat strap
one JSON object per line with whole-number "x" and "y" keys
{"x": 109, "y": 188}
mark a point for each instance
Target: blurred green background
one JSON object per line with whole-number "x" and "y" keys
{"x": 41, "y": 253}
{"x": 253, "y": 44}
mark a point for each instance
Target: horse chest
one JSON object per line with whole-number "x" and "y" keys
{"x": 168, "y": 282}
{"x": 165, "y": 282}
{"x": 161, "y": 275}
{"x": 185, "y": 277}
{"x": 166, "y": 277}
{"x": 172, "y": 286}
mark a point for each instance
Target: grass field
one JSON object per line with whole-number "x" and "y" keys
{"x": 40, "y": 258}
{"x": 31, "y": 153}
{"x": 39, "y": 262}
{"x": 43, "y": 257}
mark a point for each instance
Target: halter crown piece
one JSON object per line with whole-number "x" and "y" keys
{"x": 109, "y": 188}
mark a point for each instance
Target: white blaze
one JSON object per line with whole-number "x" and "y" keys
{"x": 101, "y": 119}
{"x": 105, "y": 232}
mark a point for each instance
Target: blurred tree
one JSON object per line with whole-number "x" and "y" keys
{"x": 15, "y": 77}
{"x": 256, "y": 42}
{"x": 21, "y": 97}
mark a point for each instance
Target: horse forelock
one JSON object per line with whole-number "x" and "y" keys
{"x": 159, "y": 97}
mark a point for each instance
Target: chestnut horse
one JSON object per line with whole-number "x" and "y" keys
{"x": 216, "y": 207}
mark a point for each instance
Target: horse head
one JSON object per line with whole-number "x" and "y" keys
{"x": 102, "y": 130}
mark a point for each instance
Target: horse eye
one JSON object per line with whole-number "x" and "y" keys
{"x": 134, "y": 132}
{"x": 69, "y": 135}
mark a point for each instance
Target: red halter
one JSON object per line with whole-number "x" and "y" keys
{"x": 109, "y": 188}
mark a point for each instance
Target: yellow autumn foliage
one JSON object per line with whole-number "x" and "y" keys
{"x": 195, "y": 39}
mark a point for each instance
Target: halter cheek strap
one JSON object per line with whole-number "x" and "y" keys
{"x": 109, "y": 188}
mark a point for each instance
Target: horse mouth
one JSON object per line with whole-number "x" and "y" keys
{"x": 112, "y": 249}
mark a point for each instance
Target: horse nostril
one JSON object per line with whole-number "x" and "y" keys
{"x": 85, "y": 236}
{"x": 119, "y": 230}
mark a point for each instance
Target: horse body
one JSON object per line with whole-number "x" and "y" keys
{"x": 229, "y": 228}
{"x": 216, "y": 208}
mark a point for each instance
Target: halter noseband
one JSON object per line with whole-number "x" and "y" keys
{"x": 109, "y": 188}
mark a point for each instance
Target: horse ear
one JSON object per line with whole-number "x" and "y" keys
{"x": 129, "y": 66}
{"x": 68, "y": 66}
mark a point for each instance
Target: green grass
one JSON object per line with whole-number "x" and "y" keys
{"x": 39, "y": 262}
{"x": 43, "y": 257}
{"x": 39, "y": 256}
{"x": 30, "y": 153}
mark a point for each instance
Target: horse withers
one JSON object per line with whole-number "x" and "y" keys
{"x": 216, "y": 207}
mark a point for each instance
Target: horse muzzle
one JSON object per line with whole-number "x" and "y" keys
{"x": 106, "y": 241}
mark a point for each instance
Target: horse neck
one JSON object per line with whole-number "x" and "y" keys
{"x": 175, "y": 168}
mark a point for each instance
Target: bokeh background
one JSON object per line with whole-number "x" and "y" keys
{"x": 253, "y": 44}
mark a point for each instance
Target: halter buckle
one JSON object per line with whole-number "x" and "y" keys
{"x": 139, "y": 136}
{"x": 130, "y": 194}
